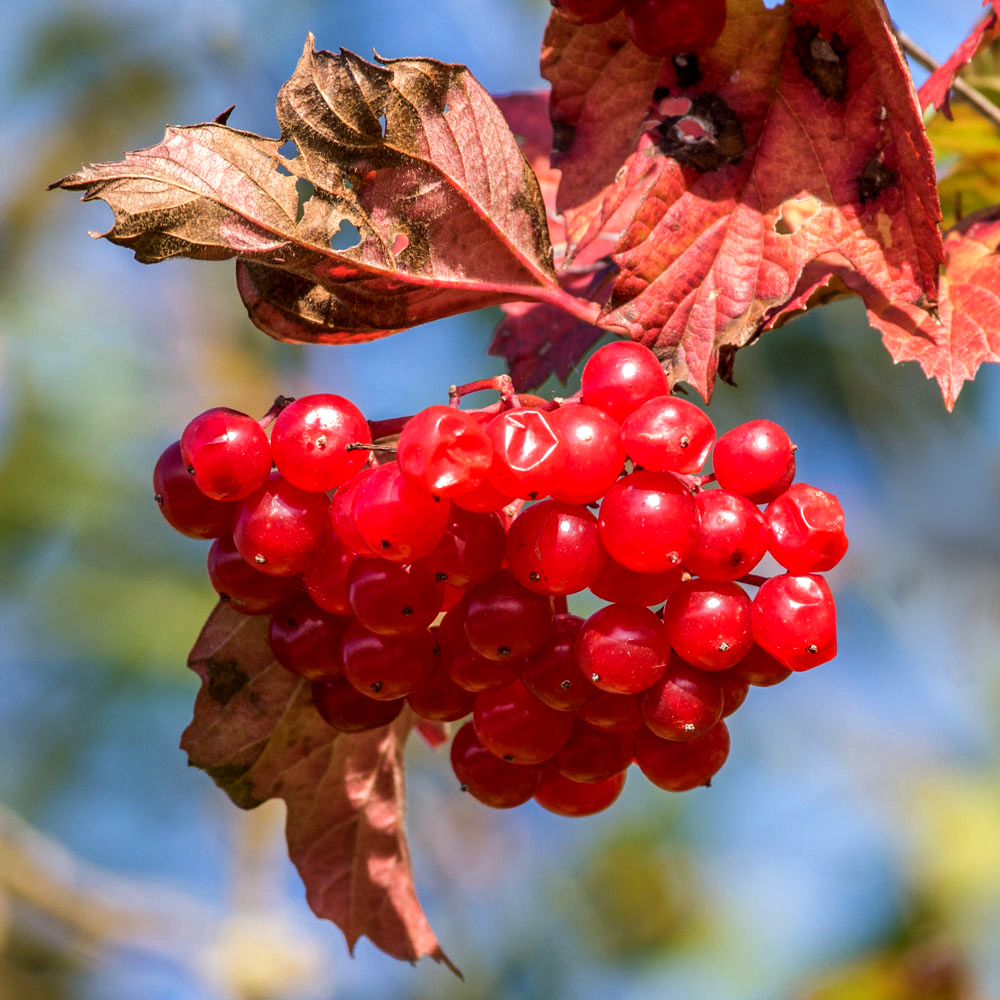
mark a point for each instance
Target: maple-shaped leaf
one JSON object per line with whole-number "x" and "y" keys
{"x": 936, "y": 89}
{"x": 257, "y": 734}
{"x": 796, "y": 135}
{"x": 412, "y": 153}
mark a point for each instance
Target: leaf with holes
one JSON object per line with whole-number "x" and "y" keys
{"x": 411, "y": 153}
{"x": 257, "y": 734}
{"x": 756, "y": 160}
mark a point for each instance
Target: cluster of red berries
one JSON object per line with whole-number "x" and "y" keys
{"x": 485, "y": 516}
{"x": 660, "y": 27}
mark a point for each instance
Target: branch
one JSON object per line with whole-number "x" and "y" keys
{"x": 923, "y": 58}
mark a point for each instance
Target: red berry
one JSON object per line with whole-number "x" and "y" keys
{"x": 623, "y": 648}
{"x": 617, "y": 713}
{"x": 794, "y": 619}
{"x": 512, "y": 723}
{"x": 325, "y": 577}
{"x": 306, "y": 640}
{"x": 396, "y": 520}
{"x": 227, "y": 452}
{"x": 677, "y": 766}
{"x": 244, "y": 588}
{"x": 624, "y": 586}
{"x": 309, "y": 441}
{"x": 594, "y": 754}
{"x": 807, "y": 529}
{"x": 471, "y": 549}
{"x": 486, "y": 777}
{"x": 386, "y": 667}
{"x": 756, "y": 460}
{"x": 760, "y": 668}
{"x": 529, "y": 454}
{"x": 708, "y": 623}
{"x": 596, "y": 453}
{"x": 444, "y": 451}
{"x": 440, "y": 699}
{"x": 393, "y": 598}
{"x": 279, "y": 528}
{"x": 342, "y": 513}
{"x": 648, "y": 522}
{"x": 552, "y": 674}
{"x": 734, "y": 690}
{"x": 588, "y": 11}
{"x": 465, "y": 666}
{"x": 183, "y": 506}
{"x": 577, "y": 798}
{"x": 484, "y": 499}
{"x": 349, "y": 711}
{"x": 619, "y": 377}
{"x": 683, "y": 703}
{"x": 554, "y": 548}
{"x": 732, "y": 537}
{"x": 673, "y": 27}
{"x": 668, "y": 434}
{"x": 504, "y": 621}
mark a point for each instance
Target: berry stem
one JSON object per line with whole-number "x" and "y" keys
{"x": 277, "y": 406}
{"x": 499, "y": 383}
{"x": 753, "y": 579}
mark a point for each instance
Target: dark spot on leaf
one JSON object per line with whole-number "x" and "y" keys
{"x": 225, "y": 680}
{"x": 687, "y": 69}
{"x": 874, "y": 179}
{"x": 562, "y": 137}
{"x": 822, "y": 60}
{"x": 707, "y": 137}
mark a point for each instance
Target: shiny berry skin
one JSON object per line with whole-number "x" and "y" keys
{"x": 348, "y": 711}
{"x": 485, "y": 498}
{"x": 732, "y": 536}
{"x": 279, "y": 528}
{"x": 624, "y": 586}
{"x": 386, "y": 667}
{"x": 486, "y": 777}
{"x": 306, "y": 640}
{"x": 623, "y": 648}
{"x": 396, "y": 520}
{"x": 596, "y": 453}
{"x": 708, "y": 623}
{"x": 648, "y": 522}
{"x": 464, "y": 665}
{"x": 734, "y": 690}
{"x": 440, "y": 699}
{"x": 552, "y": 674}
{"x": 183, "y": 506}
{"x": 325, "y": 577}
{"x": 619, "y": 377}
{"x": 444, "y": 451}
{"x": 678, "y": 766}
{"x": 617, "y": 713}
{"x": 760, "y": 668}
{"x": 529, "y": 454}
{"x": 512, "y": 723}
{"x": 807, "y": 529}
{"x": 504, "y": 621}
{"x": 309, "y": 441}
{"x": 588, "y": 11}
{"x": 673, "y": 27}
{"x": 554, "y": 548}
{"x": 756, "y": 460}
{"x": 808, "y": 3}
{"x": 471, "y": 549}
{"x": 683, "y": 703}
{"x": 594, "y": 754}
{"x": 244, "y": 588}
{"x": 393, "y": 598}
{"x": 668, "y": 434}
{"x": 794, "y": 619}
{"x": 558, "y": 794}
{"x": 227, "y": 452}
{"x": 342, "y": 514}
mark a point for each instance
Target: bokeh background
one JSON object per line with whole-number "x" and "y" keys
{"x": 851, "y": 847}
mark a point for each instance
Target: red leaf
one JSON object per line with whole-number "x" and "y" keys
{"x": 257, "y": 734}
{"x": 411, "y": 152}
{"x": 759, "y": 158}
{"x": 937, "y": 87}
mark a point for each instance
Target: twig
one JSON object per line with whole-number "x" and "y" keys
{"x": 921, "y": 56}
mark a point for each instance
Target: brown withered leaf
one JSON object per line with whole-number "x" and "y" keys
{"x": 257, "y": 734}
{"x": 413, "y": 153}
